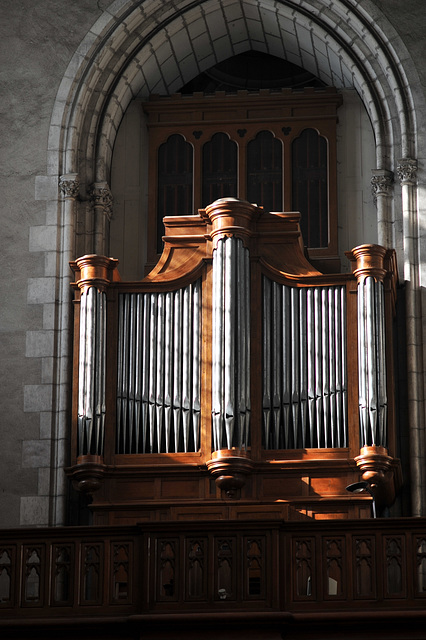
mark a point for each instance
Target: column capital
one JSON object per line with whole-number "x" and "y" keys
{"x": 69, "y": 186}
{"x": 381, "y": 182}
{"x": 101, "y": 196}
{"x": 407, "y": 171}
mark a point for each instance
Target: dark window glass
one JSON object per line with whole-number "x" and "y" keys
{"x": 309, "y": 186}
{"x": 219, "y": 169}
{"x": 174, "y": 181}
{"x": 265, "y": 171}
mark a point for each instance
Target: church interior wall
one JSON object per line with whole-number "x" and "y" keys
{"x": 39, "y": 40}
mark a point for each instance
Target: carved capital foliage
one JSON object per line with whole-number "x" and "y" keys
{"x": 381, "y": 182}
{"x": 69, "y": 185}
{"x": 101, "y": 196}
{"x": 407, "y": 170}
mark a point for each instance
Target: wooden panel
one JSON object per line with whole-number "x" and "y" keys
{"x": 178, "y": 488}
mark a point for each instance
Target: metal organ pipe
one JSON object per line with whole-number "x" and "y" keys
{"x": 304, "y": 354}
{"x": 372, "y": 358}
{"x": 231, "y": 345}
{"x": 158, "y": 378}
{"x": 92, "y": 363}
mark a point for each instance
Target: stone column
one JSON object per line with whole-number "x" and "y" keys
{"x": 382, "y": 186}
{"x": 69, "y": 188}
{"x": 101, "y": 198}
{"x": 407, "y": 173}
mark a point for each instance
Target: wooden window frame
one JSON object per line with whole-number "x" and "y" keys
{"x": 286, "y": 114}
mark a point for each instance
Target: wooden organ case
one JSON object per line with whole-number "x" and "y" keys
{"x": 235, "y": 381}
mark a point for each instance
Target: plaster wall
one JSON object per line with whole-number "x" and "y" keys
{"x": 37, "y": 42}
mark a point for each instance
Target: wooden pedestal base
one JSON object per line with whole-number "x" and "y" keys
{"x": 88, "y": 474}
{"x": 378, "y": 470}
{"x": 229, "y": 467}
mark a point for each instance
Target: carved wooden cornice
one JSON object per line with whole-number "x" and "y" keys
{"x": 274, "y": 238}
{"x": 94, "y": 271}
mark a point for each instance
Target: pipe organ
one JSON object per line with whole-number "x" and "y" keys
{"x": 235, "y": 380}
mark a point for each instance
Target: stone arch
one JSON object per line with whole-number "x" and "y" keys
{"x": 345, "y": 47}
{"x": 136, "y": 48}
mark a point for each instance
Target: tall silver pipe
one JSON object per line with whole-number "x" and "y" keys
{"x": 295, "y": 364}
{"x": 267, "y": 360}
{"x": 145, "y": 368}
{"x": 344, "y": 368}
{"x": 196, "y": 363}
{"x": 168, "y": 364}
{"x": 310, "y": 339}
{"x": 229, "y": 338}
{"x": 125, "y": 380}
{"x": 371, "y": 339}
{"x": 92, "y": 363}
{"x": 131, "y": 371}
{"x": 177, "y": 366}
{"x": 186, "y": 362}
{"x": 82, "y": 372}
{"x": 138, "y": 360}
{"x": 159, "y": 381}
{"x": 325, "y": 368}
{"x": 332, "y": 364}
{"x": 362, "y": 366}
{"x": 286, "y": 362}
{"x": 230, "y": 349}
{"x": 101, "y": 401}
{"x": 152, "y": 370}
{"x": 276, "y": 359}
{"x": 338, "y": 373}
{"x": 318, "y": 367}
{"x": 217, "y": 354}
{"x": 381, "y": 360}
{"x": 242, "y": 339}
{"x": 372, "y": 362}
{"x": 247, "y": 333}
{"x": 303, "y": 339}
{"x": 90, "y": 367}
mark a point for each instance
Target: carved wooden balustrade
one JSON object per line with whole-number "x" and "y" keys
{"x": 234, "y": 360}
{"x": 354, "y": 568}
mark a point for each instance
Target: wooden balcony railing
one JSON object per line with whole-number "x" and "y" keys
{"x": 299, "y": 568}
